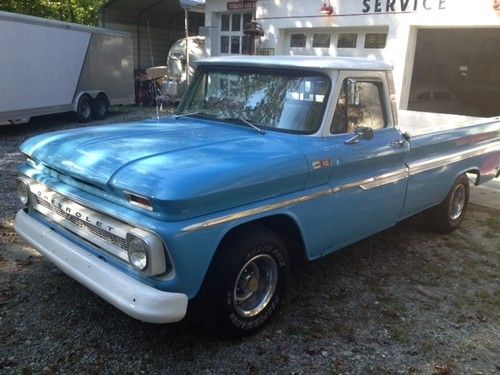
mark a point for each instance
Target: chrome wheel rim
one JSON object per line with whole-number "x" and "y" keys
{"x": 85, "y": 109}
{"x": 101, "y": 108}
{"x": 457, "y": 202}
{"x": 255, "y": 285}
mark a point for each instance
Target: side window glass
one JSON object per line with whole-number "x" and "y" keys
{"x": 360, "y": 105}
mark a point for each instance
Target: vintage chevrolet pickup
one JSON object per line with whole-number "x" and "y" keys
{"x": 268, "y": 160}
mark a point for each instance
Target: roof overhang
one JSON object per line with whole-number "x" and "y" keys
{"x": 141, "y": 6}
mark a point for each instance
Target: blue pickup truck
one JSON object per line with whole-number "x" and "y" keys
{"x": 268, "y": 161}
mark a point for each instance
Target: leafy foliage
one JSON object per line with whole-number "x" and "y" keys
{"x": 78, "y": 11}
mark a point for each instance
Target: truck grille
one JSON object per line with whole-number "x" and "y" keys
{"x": 82, "y": 224}
{"x": 104, "y": 232}
{"x": 101, "y": 230}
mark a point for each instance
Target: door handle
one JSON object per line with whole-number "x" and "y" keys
{"x": 399, "y": 143}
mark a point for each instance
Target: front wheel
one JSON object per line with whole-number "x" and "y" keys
{"x": 448, "y": 215}
{"x": 245, "y": 284}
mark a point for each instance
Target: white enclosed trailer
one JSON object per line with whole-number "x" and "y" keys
{"x": 49, "y": 66}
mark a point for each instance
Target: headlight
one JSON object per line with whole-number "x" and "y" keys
{"x": 147, "y": 254}
{"x": 23, "y": 192}
{"x": 137, "y": 252}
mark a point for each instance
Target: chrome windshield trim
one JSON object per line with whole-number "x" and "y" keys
{"x": 433, "y": 163}
{"x": 254, "y": 211}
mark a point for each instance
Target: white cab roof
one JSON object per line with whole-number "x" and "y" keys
{"x": 306, "y": 62}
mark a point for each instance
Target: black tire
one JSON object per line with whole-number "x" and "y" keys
{"x": 229, "y": 281}
{"x": 84, "y": 109}
{"x": 100, "y": 107}
{"x": 448, "y": 215}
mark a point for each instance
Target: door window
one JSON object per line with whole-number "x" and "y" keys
{"x": 360, "y": 105}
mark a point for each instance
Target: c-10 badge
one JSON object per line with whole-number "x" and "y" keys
{"x": 318, "y": 164}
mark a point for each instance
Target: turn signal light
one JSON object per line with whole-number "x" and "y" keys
{"x": 139, "y": 201}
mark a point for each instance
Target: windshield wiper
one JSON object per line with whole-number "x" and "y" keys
{"x": 176, "y": 116}
{"x": 244, "y": 121}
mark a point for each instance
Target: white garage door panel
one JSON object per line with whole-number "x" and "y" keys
{"x": 39, "y": 65}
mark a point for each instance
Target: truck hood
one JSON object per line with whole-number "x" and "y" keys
{"x": 186, "y": 167}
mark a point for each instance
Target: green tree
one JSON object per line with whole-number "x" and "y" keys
{"x": 78, "y": 11}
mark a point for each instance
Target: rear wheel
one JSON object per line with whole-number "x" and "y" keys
{"x": 84, "y": 109}
{"x": 100, "y": 107}
{"x": 448, "y": 215}
{"x": 245, "y": 283}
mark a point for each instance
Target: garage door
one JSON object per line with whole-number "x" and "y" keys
{"x": 457, "y": 71}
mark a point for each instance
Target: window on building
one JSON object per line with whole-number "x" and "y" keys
{"x": 298, "y": 40}
{"x": 236, "y": 22}
{"x": 235, "y": 44}
{"x": 347, "y": 40}
{"x": 321, "y": 41}
{"x": 375, "y": 40}
{"x": 232, "y": 40}
{"x": 360, "y": 105}
{"x": 224, "y": 44}
{"x": 225, "y": 20}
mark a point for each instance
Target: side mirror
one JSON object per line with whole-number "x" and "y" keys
{"x": 353, "y": 92}
{"x": 365, "y": 133}
{"x": 361, "y": 133}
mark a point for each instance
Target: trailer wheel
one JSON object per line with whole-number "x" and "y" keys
{"x": 245, "y": 283}
{"x": 100, "y": 107}
{"x": 447, "y": 216}
{"x": 84, "y": 109}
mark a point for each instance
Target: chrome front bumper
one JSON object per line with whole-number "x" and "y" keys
{"x": 129, "y": 295}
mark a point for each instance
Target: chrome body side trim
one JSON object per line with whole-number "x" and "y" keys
{"x": 365, "y": 184}
{"x": 254, "y": 211}
{"x": 429, "y": 164}
{"x": 376, "y": 181}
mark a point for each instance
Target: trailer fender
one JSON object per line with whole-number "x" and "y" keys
{"x": 92, "y": 93}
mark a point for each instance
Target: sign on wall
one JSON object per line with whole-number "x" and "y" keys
{"x": 242, "y": 5}
{"x": 265, "y": 51}
{"x": 401, "y": 6}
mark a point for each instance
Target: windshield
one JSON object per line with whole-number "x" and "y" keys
{"x": 291, "y": 102}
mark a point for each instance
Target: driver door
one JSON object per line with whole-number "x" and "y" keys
{"x": 368, "y": 154}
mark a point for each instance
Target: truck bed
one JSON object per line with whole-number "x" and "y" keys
{"x": 418, "y": 123}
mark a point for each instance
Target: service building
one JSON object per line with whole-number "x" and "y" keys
{"x": 445, "y": 53}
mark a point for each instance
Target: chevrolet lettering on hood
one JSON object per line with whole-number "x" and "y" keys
{"x": 72, "y": 209}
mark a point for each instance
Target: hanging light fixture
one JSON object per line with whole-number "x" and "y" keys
{"x": 326, "y": 8}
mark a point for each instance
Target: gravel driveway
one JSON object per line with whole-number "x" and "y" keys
{"x": 404, "y": 301}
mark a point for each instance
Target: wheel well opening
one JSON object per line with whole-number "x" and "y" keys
{"x": 285, "y": 227}
{"x": 84, "y": 96}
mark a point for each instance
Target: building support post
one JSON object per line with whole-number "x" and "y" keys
{"x": 186, "y": 26}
